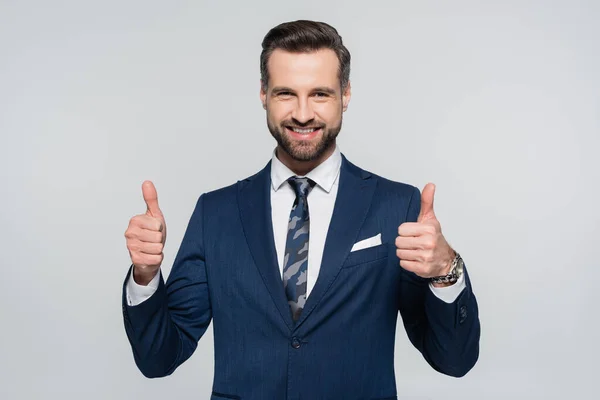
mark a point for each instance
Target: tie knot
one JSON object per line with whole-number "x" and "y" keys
{"x": 302, "y": 186}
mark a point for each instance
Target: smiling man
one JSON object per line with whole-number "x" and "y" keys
{"x": 304, "y": 98}
{"x": 304, "y": 267}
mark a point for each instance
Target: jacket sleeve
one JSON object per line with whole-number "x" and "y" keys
{"x": 446, "y": 334}
{"x": 165, "y": 329}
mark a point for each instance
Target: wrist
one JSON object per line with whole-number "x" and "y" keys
{"x": 442, "y": 285}
{"x": 448, "y": 262}
{"x": 450, "y": 274}
{"x": 143, "y": 277}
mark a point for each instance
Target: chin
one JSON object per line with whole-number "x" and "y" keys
{"x": 304, "y": 155}
{"x": 303, "y": 148}
{"x": 306, "y": 151}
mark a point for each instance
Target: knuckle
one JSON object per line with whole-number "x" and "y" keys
{"x": 131, "y": 246}
{"x": 155, "y": 259}
{"x": 140, "y": 246}
{"x": 156, "y": 224}
{"x": 146, "y": 260}
{"x": 136, "y": 259}
{"x": 150, "y": 248}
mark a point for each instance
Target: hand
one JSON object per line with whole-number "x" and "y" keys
{"x": 146, "y": 236}
{"x": 420, "y": 245}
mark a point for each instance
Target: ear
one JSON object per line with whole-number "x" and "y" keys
{"x": 346, "y": 96}
{"x": 263, "y": 95}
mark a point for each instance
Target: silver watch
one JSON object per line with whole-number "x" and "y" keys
{"x": 456, "y": 271}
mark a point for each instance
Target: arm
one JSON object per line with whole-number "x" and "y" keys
{"x": 164, "y": 329}
{"x": 447, "y": 334}
{"x": 137, "y": 294}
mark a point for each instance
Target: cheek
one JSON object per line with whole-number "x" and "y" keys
{"x": 330, "y": 113}
{"x": 279, "y": 111}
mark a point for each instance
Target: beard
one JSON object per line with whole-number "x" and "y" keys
{"x": 304, "y": 150}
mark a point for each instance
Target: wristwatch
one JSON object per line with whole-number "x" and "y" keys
{"x": 456, "y": 271}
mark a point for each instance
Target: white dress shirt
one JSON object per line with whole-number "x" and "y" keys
{"x": 321, "y": 200}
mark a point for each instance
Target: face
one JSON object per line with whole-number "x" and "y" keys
{"x": 304, "y": 103}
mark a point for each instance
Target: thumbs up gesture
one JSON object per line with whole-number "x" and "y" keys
{"x": 420, "y": 245}
{"x": 146, "y": 236}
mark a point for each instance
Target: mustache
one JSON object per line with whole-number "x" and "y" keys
{"x": 310, "y": 125}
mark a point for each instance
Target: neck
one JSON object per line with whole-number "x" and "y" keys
{"x": 301, "y": 168}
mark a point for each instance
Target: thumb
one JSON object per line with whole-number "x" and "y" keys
{"x": 427, "y": 203}
{"x": 151, "y": 199}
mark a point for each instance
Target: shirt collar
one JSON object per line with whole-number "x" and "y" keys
{"x": 324, "y": 175}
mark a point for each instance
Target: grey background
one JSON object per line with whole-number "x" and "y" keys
{"x": 496, "y": 102}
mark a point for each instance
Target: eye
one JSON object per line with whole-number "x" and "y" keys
{"x": 284, "y": 94}
{"x": 321, "y": 94}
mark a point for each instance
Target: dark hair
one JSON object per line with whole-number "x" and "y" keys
{"x": 305, "y": 36}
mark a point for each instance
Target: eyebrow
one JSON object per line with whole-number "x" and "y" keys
{"x": 325, "y": 90}
{"x": 279, "y": 89}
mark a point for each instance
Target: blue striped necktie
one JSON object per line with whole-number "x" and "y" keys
{"x": 295, "y": 263}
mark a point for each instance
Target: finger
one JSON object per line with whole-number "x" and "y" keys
{"x": 151, "y": 199}
{"x": 149, "y": 236}
{"x": 409, "y": 243}
{"x": 415, "y": 229}
{"x": 409, "y": 255}
{"x": 150, "y": 248}
{"x": 427, "y": 203}
{"x": 142, "y": 260}
{"x": 412, "y": 266}
{"x": 136, "y": 246}
{"x": 148, "y": 222}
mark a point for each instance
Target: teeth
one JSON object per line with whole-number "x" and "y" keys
{"x": 303, "y": 130}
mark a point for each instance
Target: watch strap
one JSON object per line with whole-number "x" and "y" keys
{"x": 454, "y": 273}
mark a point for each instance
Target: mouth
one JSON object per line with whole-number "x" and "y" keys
{"x": 303, "y": 133}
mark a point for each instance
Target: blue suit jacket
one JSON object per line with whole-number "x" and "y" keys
{"x": 342, "y": 347}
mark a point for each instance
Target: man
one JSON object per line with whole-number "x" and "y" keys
{"x": 304, "y": 266}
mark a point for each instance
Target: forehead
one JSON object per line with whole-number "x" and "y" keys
{"x": 303, "y": 70}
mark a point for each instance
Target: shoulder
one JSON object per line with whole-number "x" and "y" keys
{"x": 393, "y": 200}
{"x": 385, "y": 186}
{"x": 229, "y": 194}
{"x": 396, "y": 188}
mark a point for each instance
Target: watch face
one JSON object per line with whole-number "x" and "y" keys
{"x": 459, "y": 266}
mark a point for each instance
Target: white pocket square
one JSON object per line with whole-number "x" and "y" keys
{"x": 366, "y": 243}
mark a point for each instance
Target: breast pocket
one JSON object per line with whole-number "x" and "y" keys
{"x": 368, "y": 255}
{"x": 221, "y": 396}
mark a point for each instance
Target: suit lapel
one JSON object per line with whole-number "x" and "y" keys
{"x": 254, "y": 199}
{"x": 352, "y": 203}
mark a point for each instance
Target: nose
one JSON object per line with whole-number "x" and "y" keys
{"x": 303, "y": 112}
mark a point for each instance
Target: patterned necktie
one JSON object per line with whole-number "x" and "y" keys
{"x": 295, "y": 263}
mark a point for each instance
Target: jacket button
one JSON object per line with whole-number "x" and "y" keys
{"x": 462, "y": 314}
{"x": 295, "y": 343}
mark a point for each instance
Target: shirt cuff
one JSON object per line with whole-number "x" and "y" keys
{"x": 449, "y": 293}
{"x": 137, "y": 294}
